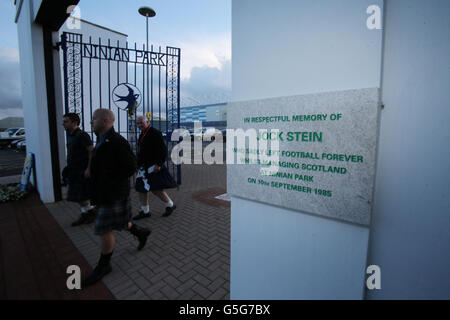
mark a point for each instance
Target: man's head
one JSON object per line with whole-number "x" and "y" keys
{"x": 71, "y": 121}
{"x": 142, "y": 123}
{"x": 102, "y": 121}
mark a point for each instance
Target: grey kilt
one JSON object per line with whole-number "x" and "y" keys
{"x": 113, "y": 217}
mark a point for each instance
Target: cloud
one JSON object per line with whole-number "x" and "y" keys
{"x": 12, "y": 112}
{"x": 207, "y": 50}
{"x": 205, "y": 69}
{"x": 207, "y": 85}
{"x": 10, "y": 92}
{"x": 199, "y": 50}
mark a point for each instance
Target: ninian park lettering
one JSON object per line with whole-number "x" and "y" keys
{"x": 123, "y": 54}
{"x": 301, "y": 170}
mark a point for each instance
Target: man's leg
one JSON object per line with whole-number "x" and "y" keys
{"x": 168, "y": 203}
{"x": 107, "y": 242}
{"x": 145, "y": 208}
{"x": 161, "y": 194}
{"x": 88, "y": 213}
{"x": 140, "y": 233}
{"x": 143, "y": 200}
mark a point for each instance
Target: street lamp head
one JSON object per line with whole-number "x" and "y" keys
{"x": 147, "y": 12}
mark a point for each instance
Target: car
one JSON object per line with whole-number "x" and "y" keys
{"x": 14, "y": 144}
{"x": 22, "y": 145}
{"x": 9, "y": 135}
{"x": 13, "y": 133}
{"x": 191, "y": 132}
{"x": 182, "y": 133}
{"x": 197, "y": 134}
{"x": 224, "y": 134}
{"x": 211, "y": 134}
{"x": 207, "y": 134}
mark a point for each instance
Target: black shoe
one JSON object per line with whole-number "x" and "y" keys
{"x": 140, "y": 233}
{"x": 143, "y": 238}
{"x": 91, "y": 215}
{"x": 86, "y": 218}
{"x": 96, "y": 275}
{"x": 169, "y": 211}
{"x": 141, "y": 215}
{"x": 81, "y": 220}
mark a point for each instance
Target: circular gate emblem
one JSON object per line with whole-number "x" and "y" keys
{"x": 126, "y": 97}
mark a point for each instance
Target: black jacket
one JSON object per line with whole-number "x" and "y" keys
{"x": 151, "y": 148}
{"x": 77, "y": 154}
{"x": 112, "y": 165}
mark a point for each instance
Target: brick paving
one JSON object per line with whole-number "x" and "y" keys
{"x": 188, "y": 253}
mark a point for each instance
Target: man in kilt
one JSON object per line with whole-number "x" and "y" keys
{"x": 153, "y": 176}
{"x": 76, "y": 173}
{"x": 113, "y": 163}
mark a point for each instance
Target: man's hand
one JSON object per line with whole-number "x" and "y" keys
{"x": 157, "y": 168}
{"x": 87, "y": 172}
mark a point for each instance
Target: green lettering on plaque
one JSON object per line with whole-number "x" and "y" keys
{"x": 303, "y": 178}
{"x": 304, "y": 136}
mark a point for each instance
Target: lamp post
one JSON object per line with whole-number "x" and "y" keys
{"x": 147, "y": 12}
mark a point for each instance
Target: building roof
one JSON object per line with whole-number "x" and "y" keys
{"x": 99, "y": 26}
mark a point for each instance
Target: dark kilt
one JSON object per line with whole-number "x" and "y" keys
{"x": 157, "y": 180}
{"x": 77, "y": 186}
{"x": 113, "y": 217}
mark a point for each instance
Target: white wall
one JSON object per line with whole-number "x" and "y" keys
{"x": 293, "y": 47}
{"x": 280, "y": 254}
{"x": 287, "y": 48}
{"x": 410, "y": 236}
{"x": 59, "y": 102}
{"x": 34, "y": 96}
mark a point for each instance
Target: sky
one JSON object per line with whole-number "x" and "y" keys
{"x": 201, "y": 28}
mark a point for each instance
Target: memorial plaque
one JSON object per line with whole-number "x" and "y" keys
{"x": 313, "y": 153}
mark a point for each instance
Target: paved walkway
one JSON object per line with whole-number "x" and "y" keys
{"x": 188, "y": 253}
{"x": 35, "y": 253}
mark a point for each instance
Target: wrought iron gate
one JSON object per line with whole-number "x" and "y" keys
{"x": 128, "y": 81}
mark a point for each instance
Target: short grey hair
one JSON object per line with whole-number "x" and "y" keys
{"x": 105, "y": 114}
{"x": 142, "y": 117}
